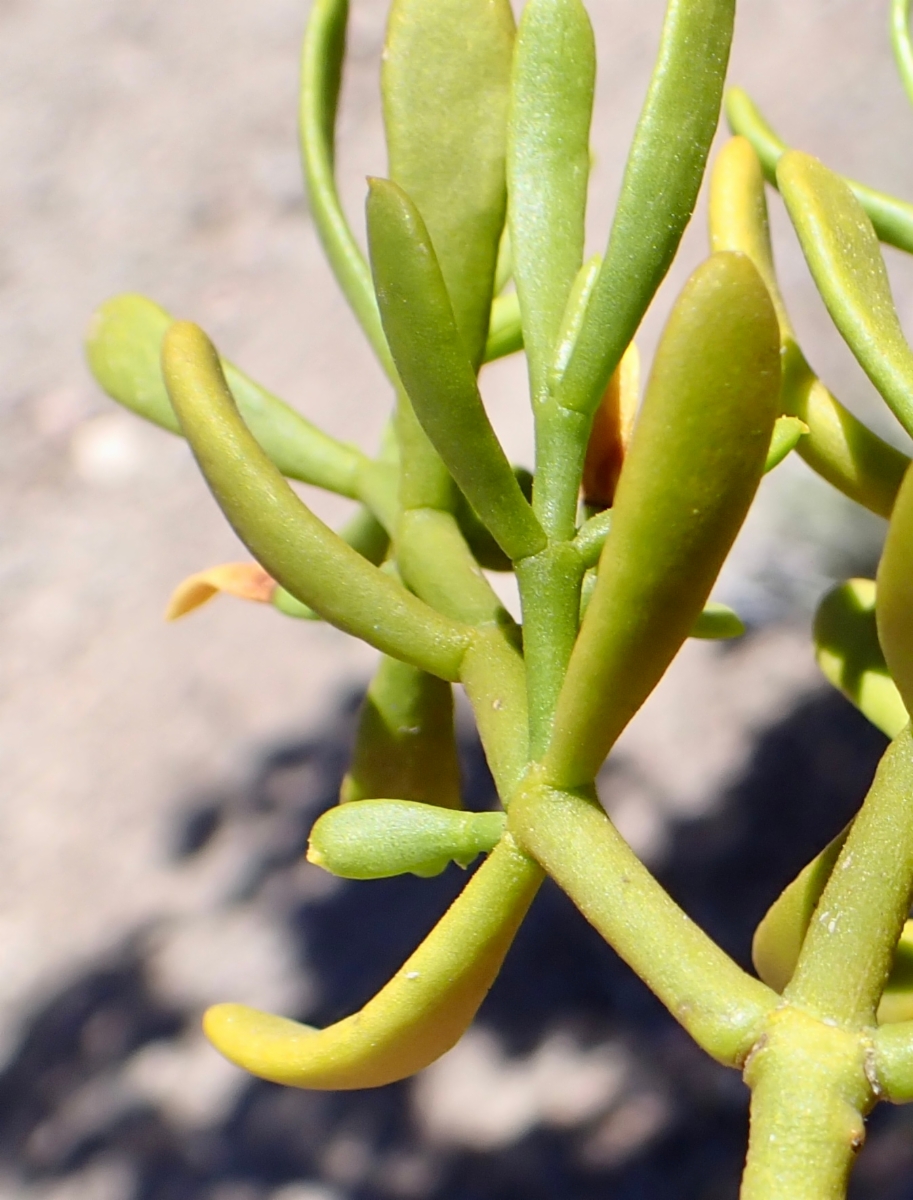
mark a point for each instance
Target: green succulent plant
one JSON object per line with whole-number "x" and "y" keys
{"x": 488, "y": 131}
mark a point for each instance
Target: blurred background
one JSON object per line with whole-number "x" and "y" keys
{"x": 158, "y": 782}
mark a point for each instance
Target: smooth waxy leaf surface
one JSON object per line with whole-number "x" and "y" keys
{"x": 694, "y": 463}
{"x": 439, "y": 379}
{"x": 405, "y": 743}
{"x": 124, "y": 347}
{"x": 445, "y": 83}
{"x": 835, "y": 443}
{"x": 281, "y": 532}
{"x": 662, "y": 178}
{"x": 894, "y": 601}
{"x": 375, "y": 839}
{"x": 892, "y": 218}
{"x": 850, "y": 655}
{"x": 548, "y": 167}
{"x": 843, "y": 254}
{"x": 416, "y": 1017}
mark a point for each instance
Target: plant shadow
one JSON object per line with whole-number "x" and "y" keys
{"x": 608, "y": 1095}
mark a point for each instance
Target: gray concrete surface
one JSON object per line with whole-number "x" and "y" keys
{"x": 152, "y": 147}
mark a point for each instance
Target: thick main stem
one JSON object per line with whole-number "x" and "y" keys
{"x": 810, "y": 1094}
{"x": 847, "y": 954}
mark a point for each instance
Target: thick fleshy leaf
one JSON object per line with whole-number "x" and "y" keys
{"x": 281, "y": 532}
{"x": 891, "y": 218}
{"x": 661, "y": 182}
{"x": 416, "y": 1017}
{"x": 376, "y": 839}
{"x": 548, "y": 167}
{"x": 894, "y": 599}
{"x": 439, "y": 379}
{"x": 405, "y": 744}
{"x": 445, "y": 83}
{"x": 836, "y": 444}
{"x": 690, "y": 473}
{"x": 844, "y": 257}
{"x": 124, "y": 348}
{"x": 850, "y": 655}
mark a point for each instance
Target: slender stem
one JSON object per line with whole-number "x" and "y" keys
{"x": 494, "y": 677}
{"x": 561, "y": 439}
{"x": 892, "y": 218}
{"x": 722, "y": 1007}
{"x": 847, "y": 954}
{"x": 900, "y": 41}
{"x": 550, "y": 593}
{"x": 321, "y": 70}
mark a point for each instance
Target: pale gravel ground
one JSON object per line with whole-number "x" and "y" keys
{"x": 152, "y": 147}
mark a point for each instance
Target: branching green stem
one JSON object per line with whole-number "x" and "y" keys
{"x": 847, "y": 954}
{"x": 810, "y": 1092}
{"x": 722, "y": 1007}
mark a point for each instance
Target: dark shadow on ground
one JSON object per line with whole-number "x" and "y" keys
{"x": 805, "y": 778}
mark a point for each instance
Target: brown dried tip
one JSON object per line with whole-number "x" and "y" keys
{"x": 248, "y": 581}
{"x": 611, "y": 432}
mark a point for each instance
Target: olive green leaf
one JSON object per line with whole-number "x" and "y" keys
{"x": 292, "y": 544}
{"x": 124, "y": 348}
{"x": 375, "y": 839}
{"x": 835, "y": 444}
{"x": 445, "y": 83}
{"x": 779, "y": 937}
{"x": 850, "y": 655}
{"x": 694, "y": 463}
{"x": 548, "y": 168}
{"x": 891, "y": 218}
{"x": 716, "y": 622}
{"x": 418, "y": 1016}
{"x": 439, "y": 379}
{"x": 405, "y": 744}
{"x": 662, "y": 178}
{"x": 843, "y": 254}
{"x": 894, "y": 596}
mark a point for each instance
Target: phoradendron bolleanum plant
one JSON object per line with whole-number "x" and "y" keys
{"x": 488, "y": 137}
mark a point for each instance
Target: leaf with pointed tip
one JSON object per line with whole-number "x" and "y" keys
{"x": 434, "y": 367}
{"x": 690, "y": 473}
